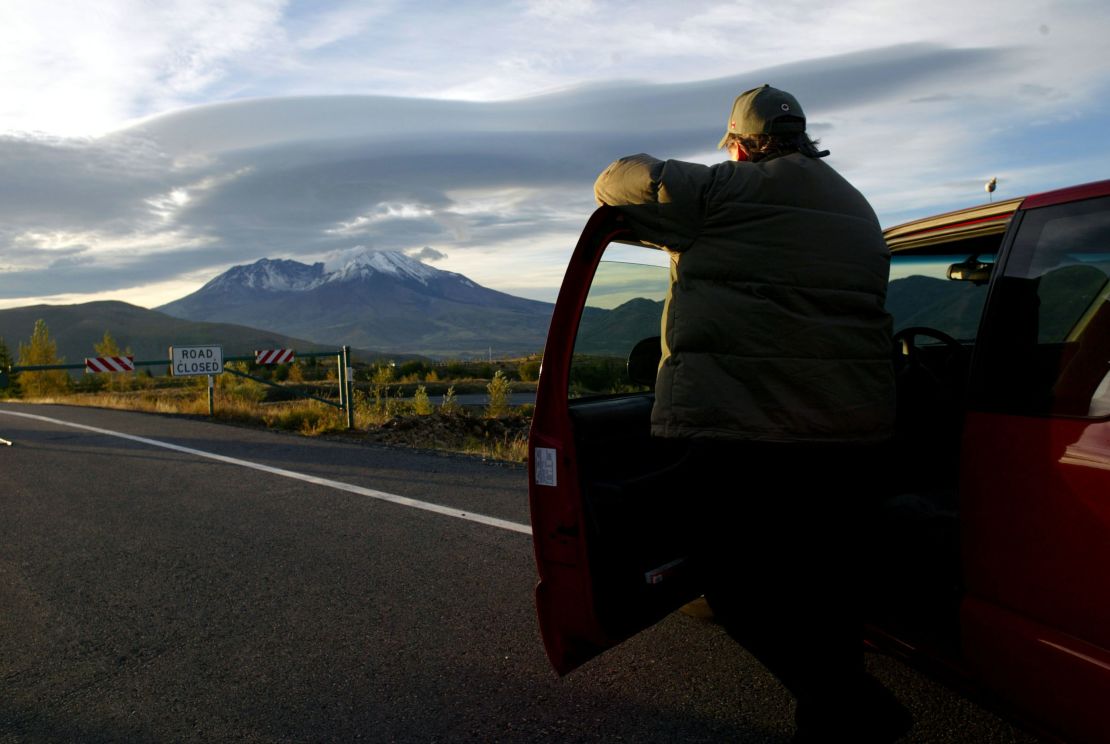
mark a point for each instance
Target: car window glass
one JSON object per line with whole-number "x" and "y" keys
{"x": 623, "y": 308}
{"x": 1048, "y": 346}
{"x": 921, "y": 294}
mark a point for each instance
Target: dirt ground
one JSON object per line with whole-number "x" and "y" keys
{"x": 506, "y": 437}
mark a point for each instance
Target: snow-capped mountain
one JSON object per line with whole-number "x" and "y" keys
{"x": 382, "y": 299}
{"x": 268, "y": 275}
{"x": 364, "y": 264}
{"x": 282, "y": 275}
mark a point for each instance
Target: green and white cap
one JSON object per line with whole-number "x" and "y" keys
{"x": 765, "y": 110}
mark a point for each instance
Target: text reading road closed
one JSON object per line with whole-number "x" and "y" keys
{"x": 196, "y": 360}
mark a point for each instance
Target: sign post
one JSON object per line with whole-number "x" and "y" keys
{"x": 5, "y": 380}
{"x": 195, "y": 361}
{"x": 347, "y": 381}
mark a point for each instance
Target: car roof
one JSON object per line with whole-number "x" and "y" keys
{"x": 1069, "y": 194}
{"x": 982, "y": 220}
{"x": 962, "y": 224}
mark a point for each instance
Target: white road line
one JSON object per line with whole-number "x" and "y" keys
{"x": 337, "y": 485}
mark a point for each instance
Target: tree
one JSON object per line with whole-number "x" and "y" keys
{"x": 5, "y": 362}
{"x": 529, "y": 370}
{"x": 450, "y": 403}
{"x": 379, "y": 388}
{"x": 42, "y": 350}
{"x": 109, "y": 348}
{"x": 498, "y": 390}
{"x": 421, "y": 403}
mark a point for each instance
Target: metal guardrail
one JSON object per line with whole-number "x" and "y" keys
{"x": 343, "y": 364}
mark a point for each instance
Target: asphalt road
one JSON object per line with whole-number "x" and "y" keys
{"x": 152, "y": 594}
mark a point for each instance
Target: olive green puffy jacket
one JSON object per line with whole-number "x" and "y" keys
{"x": 774, "y": 327}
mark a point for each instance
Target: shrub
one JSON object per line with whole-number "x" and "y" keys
{"x": 306, "y": 417}
{"x": 529, "y": 371}
{"x": 498, "y": 389}
{"x": 421, "y": 404}
{"x": 379, "y": 388}
{"x": 450, "y": 405}
{"x": 236, "y": 388}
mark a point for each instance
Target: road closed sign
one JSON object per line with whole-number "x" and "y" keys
{"x": 196, "y": 360}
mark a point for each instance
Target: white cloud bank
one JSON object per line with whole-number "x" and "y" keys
{"x": 432, "y": 141}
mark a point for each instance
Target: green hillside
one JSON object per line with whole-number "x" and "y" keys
{"x": 614, "y": 332}
{"x": 148, "y": 333}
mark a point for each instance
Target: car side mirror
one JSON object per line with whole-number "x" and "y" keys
{"x": 971, "y": 270}
{"x": 643, "y": 361}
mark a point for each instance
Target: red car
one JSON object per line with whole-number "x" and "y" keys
{"x": 991, "y": 551}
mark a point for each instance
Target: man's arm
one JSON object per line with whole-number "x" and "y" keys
{"x": 631, "y": 180}
{"x": 663, "y": 200}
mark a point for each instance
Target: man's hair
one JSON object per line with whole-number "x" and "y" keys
{"x": 763, "y": 146}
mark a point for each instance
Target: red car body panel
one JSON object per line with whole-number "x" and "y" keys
{"x": 1036, "y": 547}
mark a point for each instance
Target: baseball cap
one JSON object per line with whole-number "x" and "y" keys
{"x": 765, "y": 110}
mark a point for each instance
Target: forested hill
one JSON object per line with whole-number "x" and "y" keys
{"x": 148, "y": 333}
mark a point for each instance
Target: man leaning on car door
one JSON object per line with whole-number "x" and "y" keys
{"x": 776, "y": 365}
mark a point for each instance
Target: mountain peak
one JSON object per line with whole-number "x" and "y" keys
{"x": 285, "y": 275}
{"x": 371, "y": 299}
{"x": 361, "y": 263}
{"x": 273, "y": 275}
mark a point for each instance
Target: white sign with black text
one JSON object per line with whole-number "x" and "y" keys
{"x": 196, "y": 360}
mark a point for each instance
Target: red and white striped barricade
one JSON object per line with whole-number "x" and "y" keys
{"x": 110, "y": 364}
{"x": 273, "y": 356}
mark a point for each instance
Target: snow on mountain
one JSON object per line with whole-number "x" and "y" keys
{"x": 360, "y": 264}
{"x": 269, "y": 275}
{"x": 372, "y": 300}
{"x": 282, "y": 275}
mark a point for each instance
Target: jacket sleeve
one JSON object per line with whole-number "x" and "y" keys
{"x": 664, "y": 201}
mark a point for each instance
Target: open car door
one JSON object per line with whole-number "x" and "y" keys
{"x": 606, "y": 498}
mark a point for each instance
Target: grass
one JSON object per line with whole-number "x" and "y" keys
{"x": 392, "y": 420}
{"x": 509, "y": 448}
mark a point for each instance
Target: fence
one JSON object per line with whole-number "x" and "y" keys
{"x": 342, "y": 360}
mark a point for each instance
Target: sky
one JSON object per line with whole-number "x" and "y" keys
{"x": 147, "y": 147}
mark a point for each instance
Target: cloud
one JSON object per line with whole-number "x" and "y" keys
{"x": 323, "y": 26}
{"x": 496, "y": 190}
{"x": 427, "y": 254}
{"x": 72, "y": 67}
